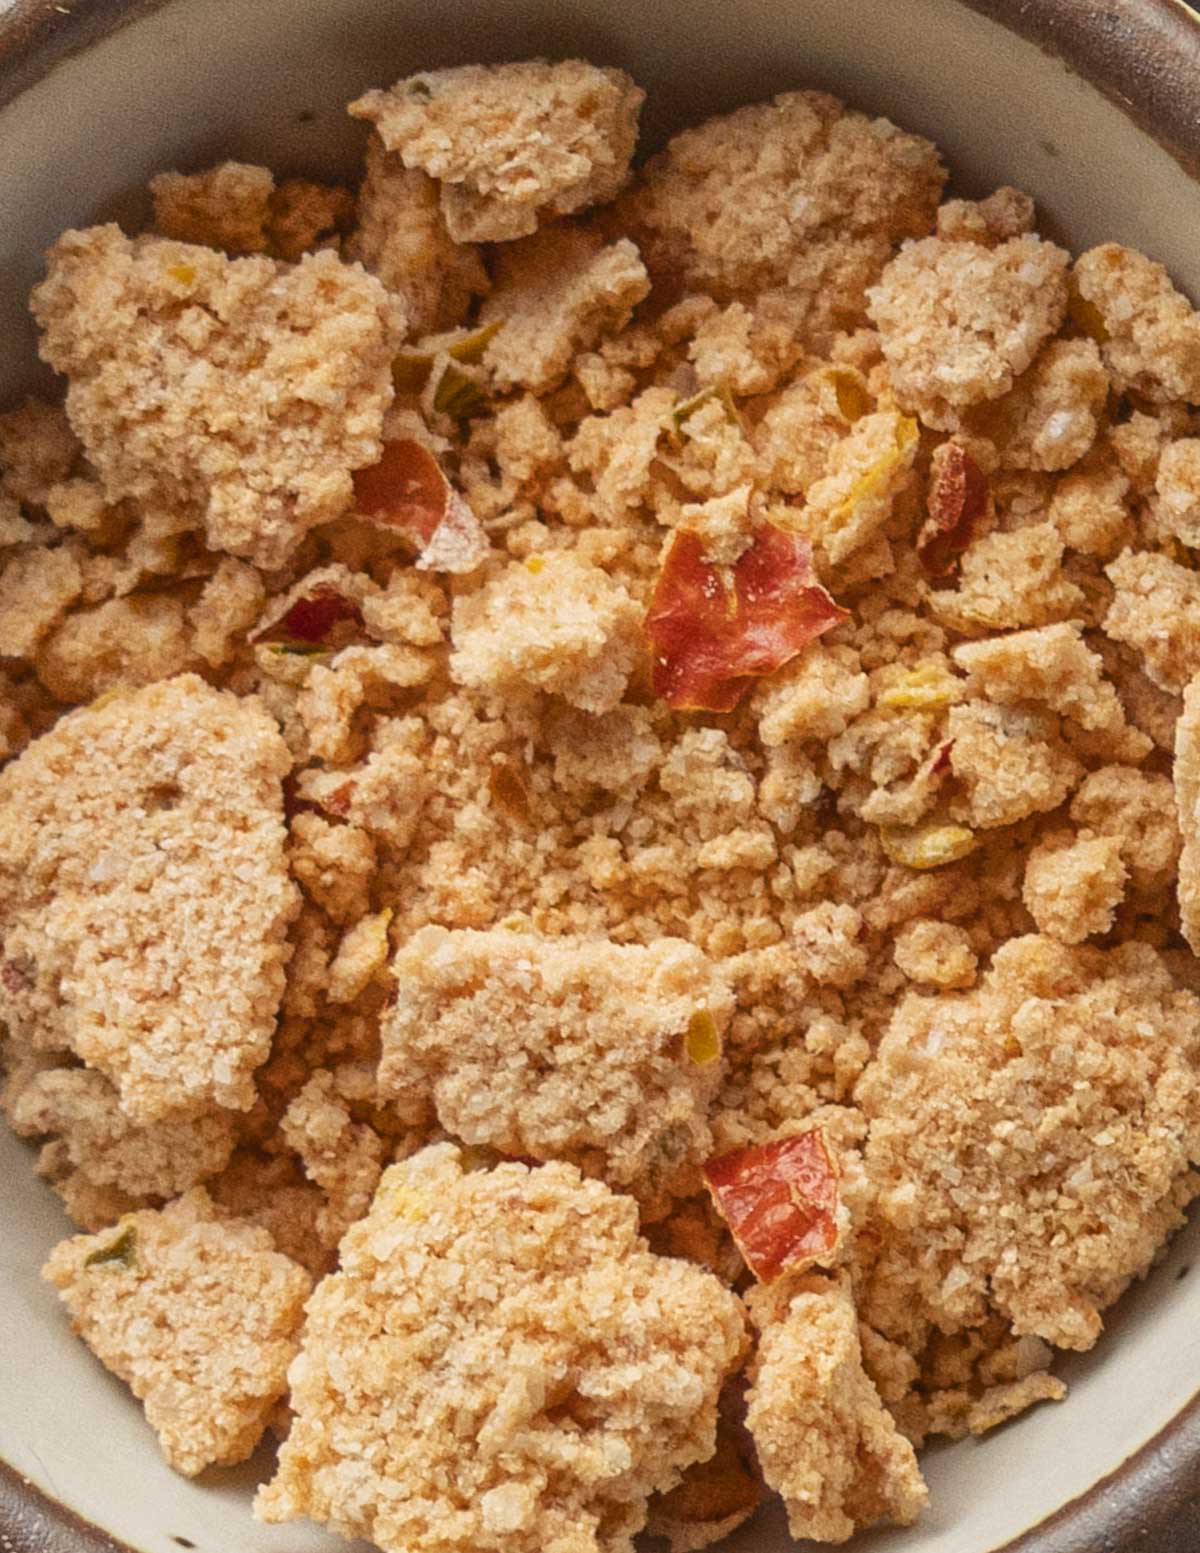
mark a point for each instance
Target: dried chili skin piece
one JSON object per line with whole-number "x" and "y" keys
{"x": 957, "y": 500}
{"x": 714, "y": 629}
{"x": 310, "y": 620}
{"x": 408, "y": 490}
{"x": 780, "y": 1201}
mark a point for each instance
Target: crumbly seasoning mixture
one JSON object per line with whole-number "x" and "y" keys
{"x": 1030, "y": 1141}
{"x": 825, "y": 1440}
{"x": 400, "y": 235}
{"x": 557, "y": 625}
{"x": 95, "y": 1140}
{"x": 227, "y": 395}
{"x": 543, "y": 703}
{"x": 795, "y": 199}
{"x": 607, "y": 1055}
{"x": 199, "y": 1314}
{"x": 1187, "y": 794}
{"x": 145, "y": 894}
{"x": 240, "y": 209}
{"x": 500, "y": 1363}
{"x": 511, "y": 145}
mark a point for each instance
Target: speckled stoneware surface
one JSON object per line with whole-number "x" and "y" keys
{"x": 1111, "y": 1469}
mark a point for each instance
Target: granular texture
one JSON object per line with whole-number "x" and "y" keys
{"x": 616, "y": 1059}
{"x": 199, "y": 1314}
{"x": 534, "y": 681}
{"x": 796, "y": 194}
{"x": 165, "y": 976}
{"x": 824, "y": 1439}
{"x": 230, "y": 395}
{"x": 500, "y": 1364}
{"x": 509, "y": 143}
{"x": 401, "y": 237}
{"x": 959, "y": 322}
{"x": 1041, "y": 1167}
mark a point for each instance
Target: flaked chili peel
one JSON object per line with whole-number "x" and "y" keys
{"x": 309, "y": 621}
{"x": 715, "y": 629}
{"x": 957, "y": 502}
{"x": 408, "y": 490}
{"x": 780, "y": 1201}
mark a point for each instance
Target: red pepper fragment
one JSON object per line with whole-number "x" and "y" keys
{"x": 780, "y": 1202}
{"x": 408, "y": 490}
{"x": 957, "y": 499}
{"x": 716, "y": 628}
{"x": 335, "y": 802}
{"x": 310, "y": 619}
{"x": 339, "y": 800}
{"x": 941, "y": 760}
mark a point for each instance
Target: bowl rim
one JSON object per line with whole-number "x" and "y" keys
{"x": 1143, "y": 56}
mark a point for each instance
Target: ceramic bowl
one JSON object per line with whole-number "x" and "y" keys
{"x": 1093, "y": 107}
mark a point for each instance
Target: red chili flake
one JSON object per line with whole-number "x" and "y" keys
{"x": 714, "y": 629}
{"x": 336, "y": 802}
{"x": 408, "y": 490}
{"x": 311, "y": 618}
{"x": 957, "y": 499}
{"x": 339, "y": 800}
{"x": 780, "y": 1202}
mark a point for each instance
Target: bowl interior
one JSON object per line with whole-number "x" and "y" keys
{"x": 199, "y": 79}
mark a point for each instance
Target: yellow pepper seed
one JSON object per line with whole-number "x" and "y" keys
{"x": 377, "y": 934}
{"x": 534, "y": 564}
{"x": 927, "y": 686}
{"x": 908, "y": 433}
{"x": 853, "y": 400}
{"x": 703, "y": 1038}
{"x": 932, "y": 845}
{"x": 873, "y": 483}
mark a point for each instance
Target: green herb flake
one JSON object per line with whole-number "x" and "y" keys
{"x": 122, "y": 1250}
{"x": 471, "y": 347}
{"x": 296, "y": 649}
{"x": 457, "y": 394}
{"x": 688, "y": 407}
